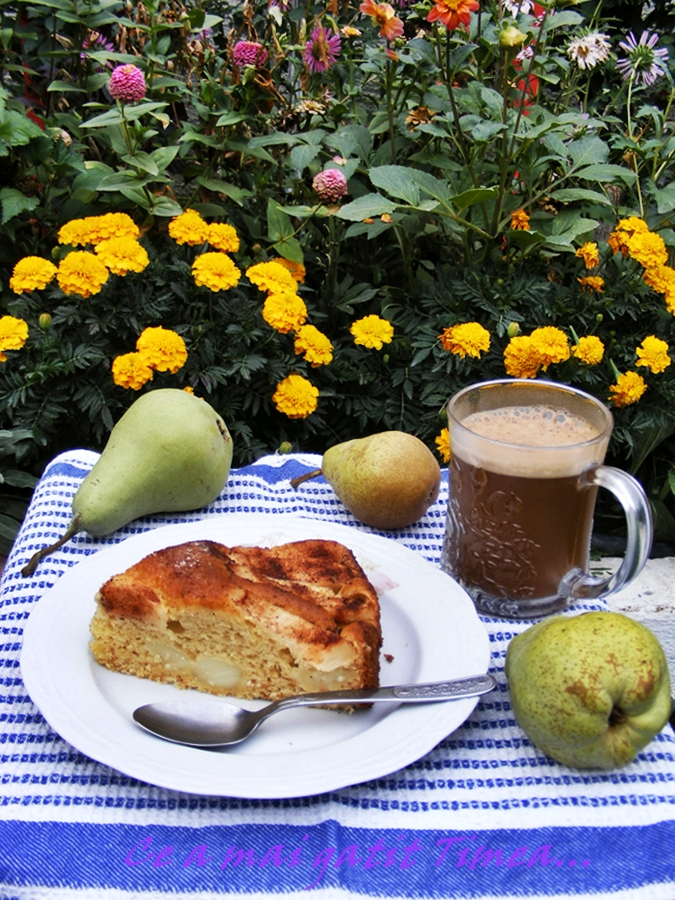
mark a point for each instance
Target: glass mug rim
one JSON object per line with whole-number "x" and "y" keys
{"x": 543, "y": 385}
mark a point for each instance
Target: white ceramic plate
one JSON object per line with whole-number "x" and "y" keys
{"x": 429, "y": 627}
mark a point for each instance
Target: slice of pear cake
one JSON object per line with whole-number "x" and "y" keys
{"x": 242, "y": 621}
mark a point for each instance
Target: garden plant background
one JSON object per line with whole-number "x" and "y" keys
{"x": 326, "y": 218}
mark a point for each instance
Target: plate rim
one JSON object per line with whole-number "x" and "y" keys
{"x": 38, "y": 678}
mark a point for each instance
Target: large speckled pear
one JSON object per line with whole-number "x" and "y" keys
{"x": 589, "y": 690}
{"x": 386, "y": 480}
{"x": 170, "y": 451}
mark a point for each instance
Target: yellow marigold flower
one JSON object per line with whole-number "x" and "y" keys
{"x": 592, "y": 283}
{"x": 13, "y": 335}
{"x": 521, "y": 357}
{"x": 589, "y": 350}
{"x": 443, "y": 445}
{"x": 162, "y": 349}
{"x": 189, "y": 389}
{"x": 653, "y": 353}
{"x": 215, "y": 271}
{"x": 624, "y": 229}
{"x": 660, "y": 278}
{"x": 590, "y": 255}
{"x": 122, "y": 255}
{"x": 271, "y": 276}
{"x": 551, "y": 344}
{"x": 189, "y": 228}
{"x": 32, "y": 273}
{"x": 113, "y": 225}
{"x": 285, "y": 311}
{"x": 628, "y": 389}
{"x": 468, "y": 339}
{"x": 76, "y": 232}
{"x": 372, "y": 332}
{"x": 296, "y": 269}
{"x": 131, "y": 371}
{"x": 648, "y": 249}
{"x": 316, "y": 347}
{"x": 296, "y": 397}
{"x": 520, "y": 220}
{"x": 223, "y": 237}
{"x": 81, "y": 273}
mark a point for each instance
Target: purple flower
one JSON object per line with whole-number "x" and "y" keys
{"x": 95, "y": 41}
{"x": 330, "y": 185}
{"x": 644, "y": 61}
{"x": 284, "y": 5}
{"x": 127, "y": 84}
{"x": 249, "y": 53}
{"x": 322, "y": 50}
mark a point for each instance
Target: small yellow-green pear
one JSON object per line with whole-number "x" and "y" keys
{"x": 589, "y": 690}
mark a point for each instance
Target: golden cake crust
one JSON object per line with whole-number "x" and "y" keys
{"x": 202, "y": 607}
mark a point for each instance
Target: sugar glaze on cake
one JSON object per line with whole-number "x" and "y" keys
{"x": 248, "y": 622}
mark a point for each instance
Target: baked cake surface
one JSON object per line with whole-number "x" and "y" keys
{"x": 249, "y": 622}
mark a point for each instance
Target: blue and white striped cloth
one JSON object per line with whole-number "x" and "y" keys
{"x": 484, "y": 815}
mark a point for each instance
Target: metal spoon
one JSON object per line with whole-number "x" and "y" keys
{"x": 204, "y": 723}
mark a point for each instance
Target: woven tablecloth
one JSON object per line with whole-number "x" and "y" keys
{"x": 484, "y": 815}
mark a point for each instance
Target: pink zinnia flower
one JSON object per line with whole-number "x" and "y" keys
{"x": 249, "y": 53}
{"x": 322, "y": 50}
{"x": 330, "y": 185}
{"x": 127, "y": 84}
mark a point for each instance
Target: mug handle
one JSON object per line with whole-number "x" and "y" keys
{"x": 578, "y": 584}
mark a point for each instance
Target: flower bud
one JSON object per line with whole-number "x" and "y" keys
{"x": 513, "y": 329}
{"x": 285, "y": 447}
{"x": 45, "y": 321}
{"x": 599, "y": 317}
{"x": 511, "y": 37}
{"x": 385, "y": 358}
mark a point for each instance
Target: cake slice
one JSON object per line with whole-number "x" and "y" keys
{"x": 248, "y": 622}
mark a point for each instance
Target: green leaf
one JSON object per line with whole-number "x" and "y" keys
{"x": 473, "y": 196}
{"x": 16, "y": 129}
{"x": 279, "y": 225}
{"x": 569, "y": 195}
{"x": 232, "y": 191}
{"x": 120, "y": 180}
{"x": 605, "y": 172}
{"x": 165, "y": 206}
{"x": 143, "y": 161}
{"x": 65, "y": 87}
{"x": 562, "y": 19}
{"x": 164, "y": 156}
{"x": 290, "y": 248}
{"x": 526, "y": 240}
{"x": 14, "y": 203}
{"x": 9, "y": 528}
{"x": 397, "y": 181}
{"x": 665, "y": 198}
{"x": 671, "y": 480}
{"x": 302, "y": 155}
{"x": 230, "y": 118}
{"x": 588, "y": 151}
{"x": 431, "y": 185}
{"x": 379, "y": 123}
{"x": 17, "y": 478}
{"x": 355, "y": 139}
{"x": 366, "y": 207}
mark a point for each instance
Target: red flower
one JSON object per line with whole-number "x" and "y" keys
{"x": 453, "y": 13}
{"x": 383, "y": 15}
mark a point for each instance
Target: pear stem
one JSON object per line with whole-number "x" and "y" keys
{"x": 32, "y": 564}
{"x": 297, "y": 481}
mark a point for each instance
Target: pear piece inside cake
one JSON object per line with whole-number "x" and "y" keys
{"x": 248, "y": 622}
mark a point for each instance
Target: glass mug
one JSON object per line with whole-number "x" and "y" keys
{"x": 524, "y": 472}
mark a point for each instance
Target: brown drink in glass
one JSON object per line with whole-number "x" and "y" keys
{"x": 522, "y": 493}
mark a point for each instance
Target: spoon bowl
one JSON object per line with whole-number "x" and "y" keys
{"x": 217, "y": 723}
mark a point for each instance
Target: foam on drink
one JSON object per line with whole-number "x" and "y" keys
{"x": 510, "y": 441}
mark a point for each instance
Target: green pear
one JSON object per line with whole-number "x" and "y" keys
{"x": 589, "y": 690}
{"x": 170, "y": 451}
{"x": 386, "y": 480}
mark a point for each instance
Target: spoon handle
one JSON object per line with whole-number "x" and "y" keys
{"x": 471, "y": 686}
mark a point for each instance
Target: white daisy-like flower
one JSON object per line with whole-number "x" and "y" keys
{"x": 646, "y": 62}
{"x": 589, "y": 50}
{"x": 515, "y": 7}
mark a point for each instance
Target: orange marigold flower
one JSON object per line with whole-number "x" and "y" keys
{"x": 520, "y": 221}
{"x": 383, "y": 17}
{"x": 592, "y": 283}
{"x": 32, "y": 273}
{"x": 13, "y": 335}
{"x": 296, "y": 269}
{"x": 467, "y": 339}
{"x": 284, "y": 312}
{"x": 453, "y": 13}
{"x": 296, "y": 397}
{"x": 81, "y": 273}
{"x": 624, "y": 229}
{"x": 372, "y": 332}
{"x": 223, "y": 237}
{"x": 551, "y": 344}
{"x": 660, "y": 278}
{"x": 521, "y": 357}
{"x": 648, "y": 249}
{"x": 131, "y": 371}
{"x": 443, "y": 445}
{"x": 653, "y": 353}
{"x": 122, "y": 255}
{"x": 189, "y": 228}
{"x": 628, "y": 389}
{"x": 316, "y": 347}
{"x": 589, "y": 350}
{"x": 162, "y": 349}
{"x": 271, "y": 276}
{"x": 215, "y": 271}
{"x": 590, "y": 255}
